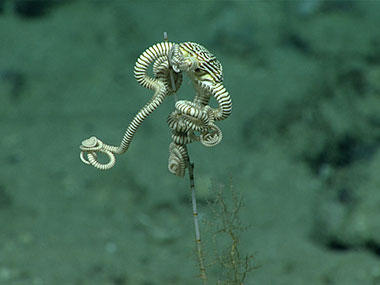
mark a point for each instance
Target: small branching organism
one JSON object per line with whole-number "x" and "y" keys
{"x": 234, "y": 266}
{"x": 191, "y": 121}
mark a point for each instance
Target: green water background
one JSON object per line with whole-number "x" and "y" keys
{"x": 301, "y": 146}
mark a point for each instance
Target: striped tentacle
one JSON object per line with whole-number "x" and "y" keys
{"x": 159, "y": 65}
{"x": 88, "y": 155}
{"x": 155, "y": 54}
{"x": 178, "y": 159}
{"x": 181, "y": 131}
{"x": 176, "y": 123}
{"x": 193, "y": 115}
{"x": 93, "y": 144}
{"x": 159, "y": 97}
{"x": 146, "y": 59}
{"x": 212, "y": 136}
{"x": 224, "y": 101}
{"x": 183, "y": 138}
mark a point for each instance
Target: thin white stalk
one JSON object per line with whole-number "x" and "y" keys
{"x": 202, "y": 267}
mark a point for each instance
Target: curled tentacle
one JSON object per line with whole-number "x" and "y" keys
{"x": 160, "y": 64}
{"x": 178, "y": 159}
{"x": 224, "y": 101}
{"x": 212, "y": 137}
{"x": 89, "y": 148}
{"x": 193, "y": 115}
{"x": 92, "y": 159}
{"x": 176, "y": 123}
{"x": 92, "y": 145}
{"x": 146, "y": 59}
{"x": 221, "y": 95}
